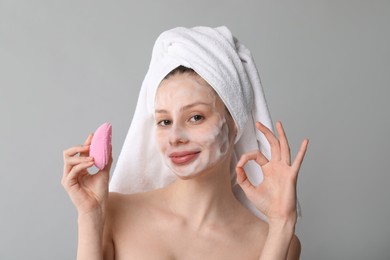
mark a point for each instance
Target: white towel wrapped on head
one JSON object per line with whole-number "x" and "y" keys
{"x": 227, "y": 65}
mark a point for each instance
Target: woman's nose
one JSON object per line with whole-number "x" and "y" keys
{"x": 177, "y": 135}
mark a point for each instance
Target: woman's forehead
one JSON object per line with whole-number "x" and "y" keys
{"x": 185, "y": 87}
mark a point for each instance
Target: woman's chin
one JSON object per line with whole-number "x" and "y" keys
{"x": 186, "y": 176}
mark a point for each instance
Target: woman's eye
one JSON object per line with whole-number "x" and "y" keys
{"x": 164, "y": 122}
{"x": 196, "y": 118}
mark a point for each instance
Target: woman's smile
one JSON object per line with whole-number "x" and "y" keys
{"x": 183, "y": 157}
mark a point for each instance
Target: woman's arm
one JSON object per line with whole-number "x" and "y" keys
{"x": 94, "y": 237}
{"x": 90, "y": 236}
{"x": 276, "y": 195}
{"x": 89, "y": 194}
{"x": 281, "y": 243}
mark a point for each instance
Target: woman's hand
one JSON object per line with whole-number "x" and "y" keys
{"x": 276, "y": 195}
{"x": 88, "y": 192}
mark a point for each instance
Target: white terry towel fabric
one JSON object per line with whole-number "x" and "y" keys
{"x": 227, "y": 65}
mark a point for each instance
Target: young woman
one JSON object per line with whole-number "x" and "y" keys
{"x": 198, "y": 215}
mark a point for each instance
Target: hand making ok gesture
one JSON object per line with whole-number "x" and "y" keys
{"x": 276, "y": 195}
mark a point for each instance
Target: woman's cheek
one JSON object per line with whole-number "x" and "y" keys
{"x": 160, "y": 139}
{"x": 208, "y": 134}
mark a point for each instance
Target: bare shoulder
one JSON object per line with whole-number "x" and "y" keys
{"x": 120, "y": 204}
{"x": 116, "y": 201}
{"x": 294, "y": 250}
{"x": 123, "y": 213}
{"x": 125, "y": 209}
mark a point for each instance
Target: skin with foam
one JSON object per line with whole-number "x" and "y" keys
{"x": 192, "y": 132}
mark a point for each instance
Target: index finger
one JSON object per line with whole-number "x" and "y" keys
{"x": 75, "y": 150}
{"x": 284, "y": 146}
{"x": 272, "y": 140}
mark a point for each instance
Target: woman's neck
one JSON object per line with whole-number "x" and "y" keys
{"x": 204, "y": 199}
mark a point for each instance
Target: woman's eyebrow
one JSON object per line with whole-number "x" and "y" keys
{"x": 194, "y": 105}
{"x": 163, "y": 111}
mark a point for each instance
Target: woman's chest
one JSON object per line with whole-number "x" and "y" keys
{"x": 148, "y": 242}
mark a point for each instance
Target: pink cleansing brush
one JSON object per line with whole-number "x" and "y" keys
{"x": 101, "y": 145}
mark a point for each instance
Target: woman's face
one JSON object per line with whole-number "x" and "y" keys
{"x": 192, "y": 132}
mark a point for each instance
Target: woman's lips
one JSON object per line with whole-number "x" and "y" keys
{"x": 183, "y": 157}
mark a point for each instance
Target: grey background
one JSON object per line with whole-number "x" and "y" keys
{"x": 68, "y": 66}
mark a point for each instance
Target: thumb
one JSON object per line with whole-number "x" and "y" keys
{"x": 107, "y": 168}
{"x": 87, "y": 143}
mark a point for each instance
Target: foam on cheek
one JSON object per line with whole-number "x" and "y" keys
{"x": 218, "y": 136}
{"x": 214, "y": 144}
{"x": 219, "y": 141}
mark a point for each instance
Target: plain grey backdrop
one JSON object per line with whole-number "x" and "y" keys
{"x": 68, "y": 66}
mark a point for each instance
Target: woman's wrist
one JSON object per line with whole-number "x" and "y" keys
{"x": 286, "y": 220}
{"x": 283, "y": 227}
{"x": 95, "y": 212}
{"x": 96, "y": 216}
{"x": 285, "y": 224}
